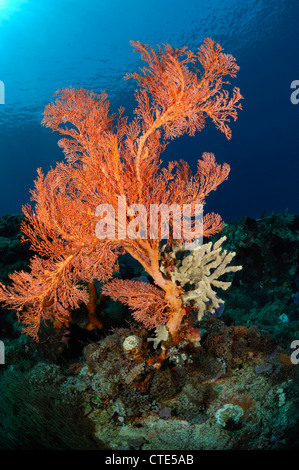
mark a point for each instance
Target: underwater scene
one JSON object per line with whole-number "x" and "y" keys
{"x": 149, "y": 227}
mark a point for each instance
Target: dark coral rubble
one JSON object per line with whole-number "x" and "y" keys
{"x": 236, "y": 388}
{"x": 14, "y": 255}
{"x": 264, "y": 292}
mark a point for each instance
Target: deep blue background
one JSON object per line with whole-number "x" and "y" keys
{"x": 50, "y": 44}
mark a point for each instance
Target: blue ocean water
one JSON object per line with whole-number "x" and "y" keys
{"x": 52, "y": 44}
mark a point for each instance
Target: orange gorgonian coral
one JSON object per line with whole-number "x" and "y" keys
{"x": 108, "y": 157}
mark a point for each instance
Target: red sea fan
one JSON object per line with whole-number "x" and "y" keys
{"x": 146, "y": 301}
{"x": 109, "y": 157}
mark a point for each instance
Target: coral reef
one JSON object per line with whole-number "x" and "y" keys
{"x": 13, "y": 254}
{"x": 236, "y": 388}
{"x": 263, "y": 292}
{"x": 148, "y": 357}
